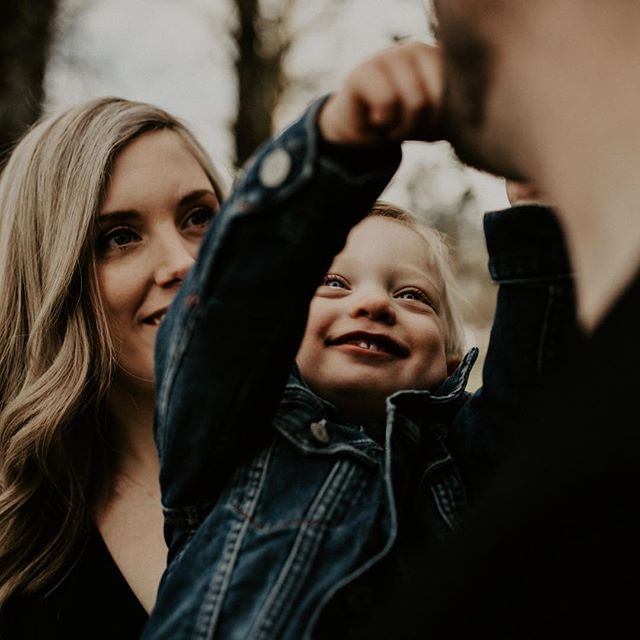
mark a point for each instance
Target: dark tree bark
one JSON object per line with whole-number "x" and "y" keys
{"x": 262, "y": 44}
{"x": 26, "y": 32}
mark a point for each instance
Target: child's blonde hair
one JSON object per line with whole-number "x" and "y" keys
{"x": 452, "y": 299}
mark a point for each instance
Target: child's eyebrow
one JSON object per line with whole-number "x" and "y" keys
{"x": 408, "y": 271}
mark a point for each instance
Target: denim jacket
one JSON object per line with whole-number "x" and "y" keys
{"x": 272, "y": 504}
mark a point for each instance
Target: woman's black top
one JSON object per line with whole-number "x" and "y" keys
{"x": 92, "y": 601}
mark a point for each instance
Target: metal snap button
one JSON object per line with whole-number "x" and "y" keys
{"x": 319, "y": 431}
{"x": 275, "y": 168}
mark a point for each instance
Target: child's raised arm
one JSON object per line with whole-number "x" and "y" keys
{"x": 228, "y": 342}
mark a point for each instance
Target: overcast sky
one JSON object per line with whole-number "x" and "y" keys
{"x": 176, "y": 54}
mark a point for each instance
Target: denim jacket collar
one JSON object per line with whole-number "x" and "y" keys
{"x": 448, "y": 394}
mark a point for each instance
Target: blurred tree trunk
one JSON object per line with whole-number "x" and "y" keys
{"x": 26, "y": 31}
{"x": 262, "y": 44}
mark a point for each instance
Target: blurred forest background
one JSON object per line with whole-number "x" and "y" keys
{"x": 237, "y": 71}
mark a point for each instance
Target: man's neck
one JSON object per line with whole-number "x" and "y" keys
{"x": 603, "y": 233}
{"x": 578, "y": 136}
{"x": 590, "y": 173}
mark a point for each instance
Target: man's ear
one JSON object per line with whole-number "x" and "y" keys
{"x": 452, "y": 364}
{"x": 523, "y": 193}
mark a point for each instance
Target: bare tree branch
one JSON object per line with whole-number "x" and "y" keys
{"x": 25, "y": 36}
{"x": 262, "y": 44}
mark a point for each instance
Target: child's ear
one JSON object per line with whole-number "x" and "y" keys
{"x": 452, "y": 364}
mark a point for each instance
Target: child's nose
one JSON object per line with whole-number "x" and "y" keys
{"x": 374, "y": 306}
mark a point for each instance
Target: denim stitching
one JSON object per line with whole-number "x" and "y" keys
{"x": 433, "y": 466}
{"x": 392, "y": 533}
{"x": 303, "y": 551}
{"x": 174, "y": 358}
{"x": 213, "y": 599}
{"x": 280, "y": 524}
{"x": 442, "y": 504}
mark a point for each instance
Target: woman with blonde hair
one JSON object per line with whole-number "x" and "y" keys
{"x": 102, "y": 210}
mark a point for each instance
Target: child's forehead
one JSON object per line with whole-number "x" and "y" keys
{"x": 388, "y": 238}
{"x": 397, "y": 272}
{"x": 392, "y": 244}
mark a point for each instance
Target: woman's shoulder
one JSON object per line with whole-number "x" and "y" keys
{"x": 91, "y": 600}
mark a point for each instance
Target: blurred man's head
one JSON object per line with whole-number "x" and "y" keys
{"x": 547, "y": 90}
{"x": 517, "y": 69}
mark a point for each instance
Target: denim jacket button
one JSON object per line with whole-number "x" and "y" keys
{"x": 319, "y": 431}
{"x": 274, "y": 168}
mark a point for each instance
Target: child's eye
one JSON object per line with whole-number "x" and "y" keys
{"x": 414, "y": 294}
{"x": 334, "y": 281}
{"x": 199, "y": 217}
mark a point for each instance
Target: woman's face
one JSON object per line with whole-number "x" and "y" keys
{"x": 158, "y": 205}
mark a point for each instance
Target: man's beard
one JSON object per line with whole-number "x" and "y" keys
{"x": 463, "y": 113}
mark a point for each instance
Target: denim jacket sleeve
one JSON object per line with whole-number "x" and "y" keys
{"x": 534, "y": 330}
{"x": 228, "y": 342}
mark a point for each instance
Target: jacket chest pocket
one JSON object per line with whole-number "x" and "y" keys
{"x": 285, "y": 488}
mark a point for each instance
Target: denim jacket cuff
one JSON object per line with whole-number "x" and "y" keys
{"x": 525, "y": 243}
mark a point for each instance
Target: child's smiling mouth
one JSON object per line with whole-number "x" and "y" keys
{"x": 371, "y": 342}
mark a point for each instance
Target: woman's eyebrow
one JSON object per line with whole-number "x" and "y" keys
{"x": 125, "y": 215}
{"x": 117, "y": 216}
{"x": 194, "y": 196}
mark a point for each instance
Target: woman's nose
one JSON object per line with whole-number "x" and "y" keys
{"x": 174, "y": 261}
{"x": 375, "y": 306}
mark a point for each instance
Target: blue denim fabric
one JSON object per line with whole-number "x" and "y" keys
{"x": 270, "y": 500}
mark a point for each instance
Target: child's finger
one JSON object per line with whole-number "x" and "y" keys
{"x": 417, "y": 75}
{"x": 429, "y": 72}
{"x": 406, "y": 97}
{"x": 373, "y": 87}
{"x": 412, "y": 96}
{"x": 364, "y": 110}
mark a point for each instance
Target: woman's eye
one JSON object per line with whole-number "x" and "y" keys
{"x": 334, "y": 281}
{"x": 117, "y": 239}
{"x": 199, "y": 217}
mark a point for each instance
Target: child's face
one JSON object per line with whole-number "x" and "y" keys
{"x": 375, "y": 324}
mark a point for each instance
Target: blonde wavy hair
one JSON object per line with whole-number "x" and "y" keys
{"x": 440, "y": 257}
{"x": 56, "y": 356}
